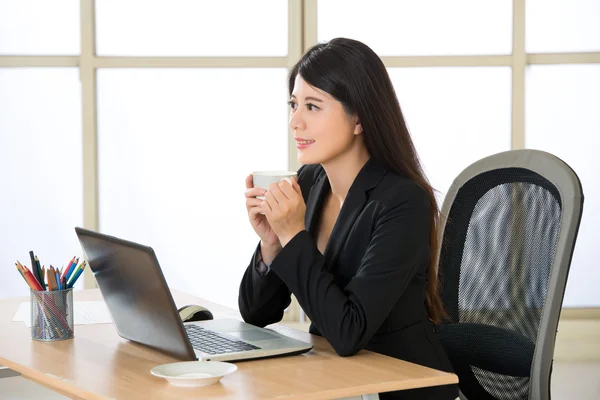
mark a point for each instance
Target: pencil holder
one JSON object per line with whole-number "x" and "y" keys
{"x": 52, "y": 315}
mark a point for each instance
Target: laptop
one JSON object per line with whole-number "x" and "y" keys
{"x": 143, "y": 310}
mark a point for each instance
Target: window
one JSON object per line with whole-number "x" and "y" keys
{"x": 40, "y": 154}
{"x": 177, "y": 97}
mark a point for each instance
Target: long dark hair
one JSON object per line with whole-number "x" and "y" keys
{"x": 354, "y": 75}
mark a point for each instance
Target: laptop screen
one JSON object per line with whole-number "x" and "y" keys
{"x": 136, "y": 293}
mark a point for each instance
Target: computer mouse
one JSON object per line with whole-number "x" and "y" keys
{"x": 191, "y": 313}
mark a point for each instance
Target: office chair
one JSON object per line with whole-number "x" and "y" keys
{"x": 509, "y": 225}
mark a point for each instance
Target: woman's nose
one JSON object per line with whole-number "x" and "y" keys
{"x": 297, "y": 121}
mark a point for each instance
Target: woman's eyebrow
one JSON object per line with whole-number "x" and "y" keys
{"x": 310, "y": 98}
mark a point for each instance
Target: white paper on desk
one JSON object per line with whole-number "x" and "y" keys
{"x": 85, "y": 313}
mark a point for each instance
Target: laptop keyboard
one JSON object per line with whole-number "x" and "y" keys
{"x": 212, "y": 343}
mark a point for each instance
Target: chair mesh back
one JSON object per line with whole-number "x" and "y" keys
{"x": 498, "y": 247}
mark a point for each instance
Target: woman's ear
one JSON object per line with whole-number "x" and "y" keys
{"x": 358, "y": 128}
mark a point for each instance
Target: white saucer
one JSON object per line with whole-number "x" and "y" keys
{"x": 193, "y": 373}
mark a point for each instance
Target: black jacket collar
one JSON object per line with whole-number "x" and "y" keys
{"x": 368, "y": 177}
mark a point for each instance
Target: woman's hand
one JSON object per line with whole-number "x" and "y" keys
{"x": 285, "y": 209}
{"x": 258, "y": 221}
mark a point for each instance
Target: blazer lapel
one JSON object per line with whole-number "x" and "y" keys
{"x": 314, "y": 204}
{"x": 368, "y": 177}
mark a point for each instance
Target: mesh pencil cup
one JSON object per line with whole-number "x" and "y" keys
{"x": 52, "y": 315}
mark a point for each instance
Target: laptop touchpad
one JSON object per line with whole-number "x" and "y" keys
{"x": 253, "y": 335}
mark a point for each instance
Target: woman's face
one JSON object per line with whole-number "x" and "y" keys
{"x": 322, "y": 129}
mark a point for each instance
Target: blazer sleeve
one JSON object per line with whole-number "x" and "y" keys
{"x": 263, "y": 298}
{"x": 349, "y": 316}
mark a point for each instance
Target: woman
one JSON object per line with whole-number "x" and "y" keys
{"x": 355, "y": 238}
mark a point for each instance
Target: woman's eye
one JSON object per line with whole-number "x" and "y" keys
{"x": 292, "y": 104}
{"x": 311, "y": 107}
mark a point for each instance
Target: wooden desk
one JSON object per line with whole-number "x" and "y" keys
{"x": 99, "y": 364}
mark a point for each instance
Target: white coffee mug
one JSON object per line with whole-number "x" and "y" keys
{"x": 263, "y": 179}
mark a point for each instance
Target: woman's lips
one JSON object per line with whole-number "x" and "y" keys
{"x": 302, "y": 143}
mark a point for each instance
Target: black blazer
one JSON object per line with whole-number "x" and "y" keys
{"x": 367, "y": 291}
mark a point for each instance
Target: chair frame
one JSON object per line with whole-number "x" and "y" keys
{"x": 569, "y": 187}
